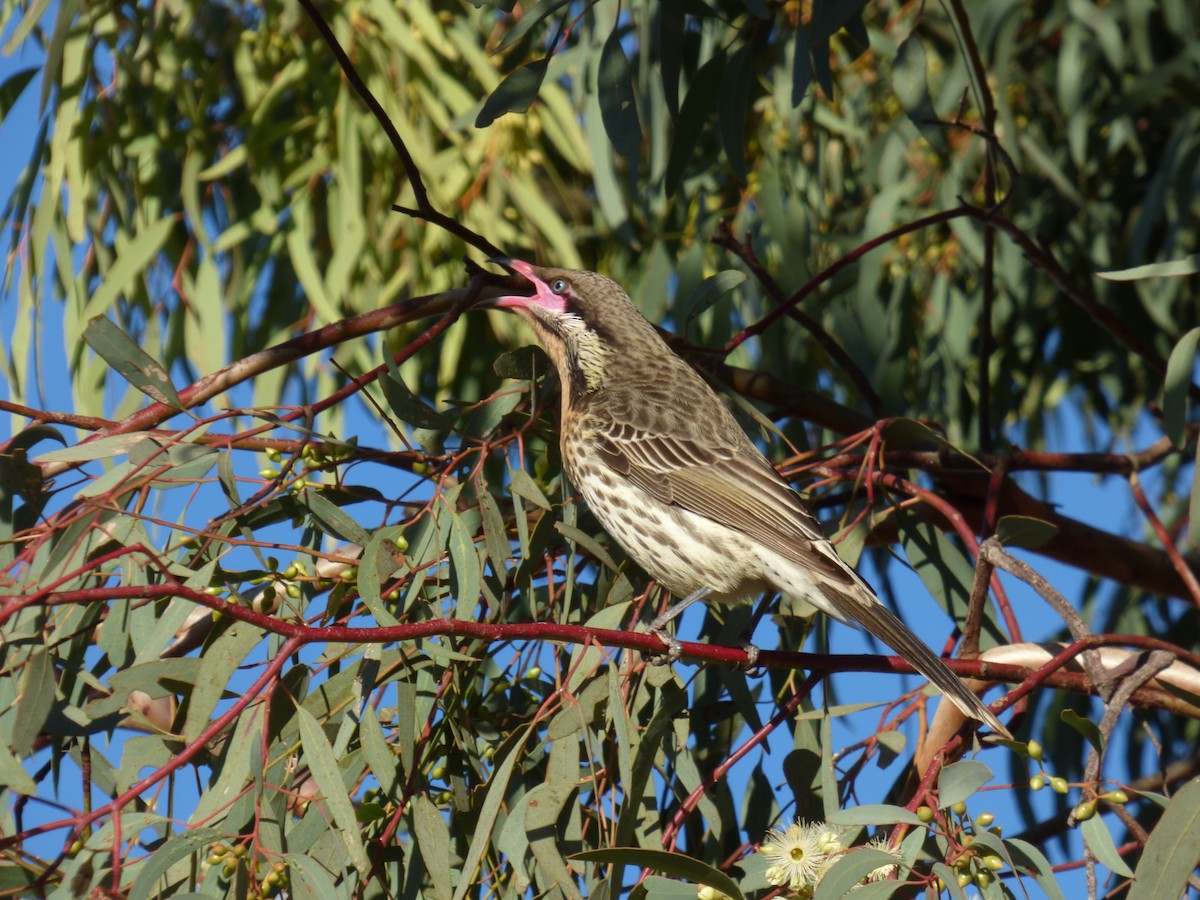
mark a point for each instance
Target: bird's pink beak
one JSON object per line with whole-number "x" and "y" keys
{"x": 541, "y": 294}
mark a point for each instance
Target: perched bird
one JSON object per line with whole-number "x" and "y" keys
{"x": 674, "y": 479}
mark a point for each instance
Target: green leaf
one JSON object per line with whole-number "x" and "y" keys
{"x": 802, "y": 68}
{"x": 912, "y": 89}
{"x": 1084, "y": 726}
{"x": 234, "y": 159}
{"x": 524, "y": 486}
{"x": 194, "y": 841}
{"x": 618, "y": 104}
{"x": 531, "y": 17}
{"x": 874, "y": 814}
{"x": 407, "y": 406}
{"x": 465, "y": 567}
{"x": 324, "y": 767}
{"x": 378, "y": 564}
{"x": 950, "y": 879}
{"x": 382, "y": 762}
{"x": 672, "y": 23}
{"x": 512, "y": 750}
{"x": 132, "y": 362}
{"x": 674, "y": 864}
{"x": 1175, "y": 268}
{"x": 697, "y": 105}
{"x": 308, "y": 879}
{"x": 334, "y": 518}
{"x": 13, "y": 87}
{"x": 1025, "y": 531}
{"x": 1194, "y": 504}
{"x": 1033, "y": 860}
{"x": 1177, "y": 385}
{"x": 433, "y": 842}
{"x": 135, "y": 257}
{"x": 958, "y": 781}
{"x": 733, "y": 108}
{"x": 34, "y": 702}
{"x": 542, "y": 808}
{"x": 218, "y": 666}
{"x": 1171, "y": 853}
{"x": 1096, "y": 835}
{"x": 713, "y": 289}
{"x": 515, "y": 93}
{"x": 855, "y": 865}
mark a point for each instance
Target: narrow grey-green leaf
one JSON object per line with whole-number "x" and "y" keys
{"x": 697, "y": 105}
{"x": 433, "y": 842}
{"x": 531, "y": 17}
{"x": 674, "y": 864}
{"x": 618, "y": 103}
{"x": 134, "y": 259}
{"x": 334, "y": 518}
{"x": 912, "y": 88}
{"x": 958, "y": 781}
{"x": 308, "y": 879}
{"x": 218, "y": 664}
{"x": 465, "y": 568}
{"x": 497, "y": 787}
{"x": 1177, "y": 385}
{"x": 409, "y": 408}
{"x": 733, "y": 107}
{"x": 156, "y": 865}
{"x": 1173, "y": 850}
{"x": 1025, "y": 854}
{"x": 34, "y": 702}
{"x": 378, "y": 564}
{"x": 1025, "y": 531}
{"x": 713, "y": 289}
{"x": 129, "y": 360}
{"x": 324, "y": 767}
{"x": 1089, "y": 729}
{"x": 383, "y": 763}
{"x": 671, "y": 25}
{"x": 846, "y": 874}
{"x": 801, "y": 65}
{"x": 515, "y": 93}
{"x": 1175, "y": 268}
{"x": 874, "y": 814}
{"x": 523, "y": 485}
{"x": 13, "y": 87}
{"x": 1100, "y": 841}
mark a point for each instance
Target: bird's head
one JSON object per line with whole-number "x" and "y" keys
{"x": 584, "y": 320}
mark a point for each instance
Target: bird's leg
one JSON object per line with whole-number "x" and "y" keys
{"x": 760, "y": 610}
{"x": 658, "y": 626}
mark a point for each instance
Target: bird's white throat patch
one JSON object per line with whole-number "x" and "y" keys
{"x": 588, "y": 354}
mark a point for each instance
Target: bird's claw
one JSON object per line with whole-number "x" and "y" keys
{"x": 674, "y": 648}
{"x": 751, "y": 666}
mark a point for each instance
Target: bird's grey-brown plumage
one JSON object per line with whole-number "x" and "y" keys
{"x": 674, "y": 479}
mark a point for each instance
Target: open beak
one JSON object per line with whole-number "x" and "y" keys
{"x": 518, "y": 290}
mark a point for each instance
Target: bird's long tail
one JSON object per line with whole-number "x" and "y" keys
{"x": 881, "y": 622}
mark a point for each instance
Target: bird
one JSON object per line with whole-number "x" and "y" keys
{"x": 676, "y": 481}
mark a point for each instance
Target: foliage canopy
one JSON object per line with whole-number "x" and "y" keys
{"x": 279, "y": 619}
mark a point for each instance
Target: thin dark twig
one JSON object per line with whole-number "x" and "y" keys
{"x": 742, "y": 249}
{"x": 425, "y": 210}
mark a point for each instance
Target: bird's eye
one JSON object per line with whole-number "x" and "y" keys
{"x": 559, "y": 285}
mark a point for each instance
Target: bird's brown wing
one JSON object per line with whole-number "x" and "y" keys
{"x": 734, "y": 486}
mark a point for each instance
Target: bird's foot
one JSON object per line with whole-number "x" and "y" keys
{"x": 751, "y": 666}
{"x": 673, "y": 647}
